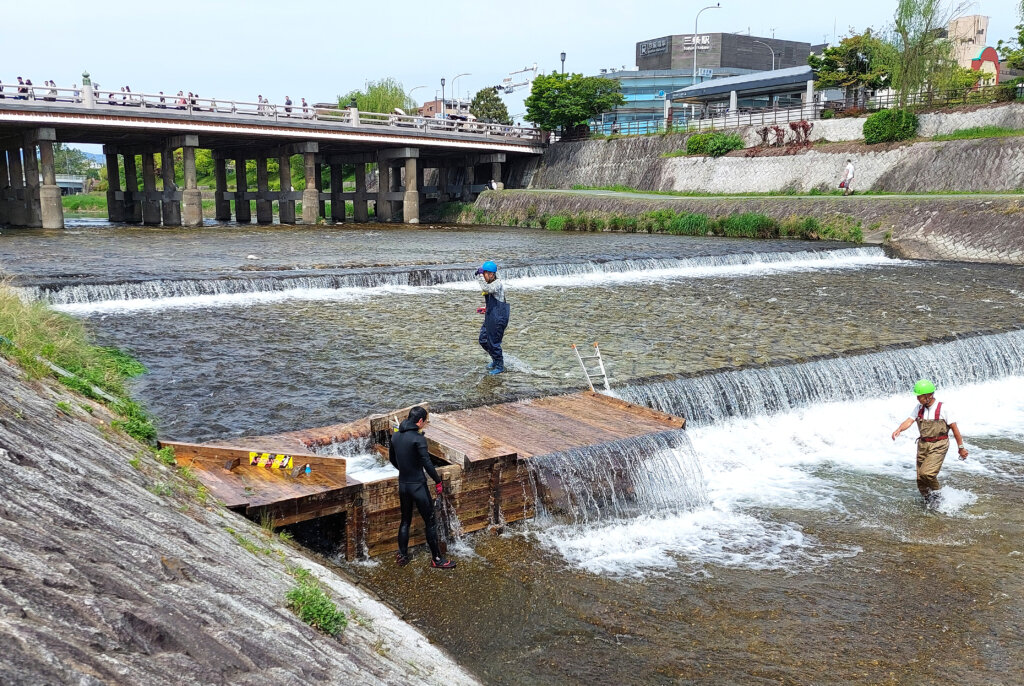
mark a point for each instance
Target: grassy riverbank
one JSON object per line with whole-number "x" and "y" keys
{"x": 95, "y": 204}
{"x": 815, "y": 193}
{"x": 32, "y": 334}
{"x": 663, "y": 220}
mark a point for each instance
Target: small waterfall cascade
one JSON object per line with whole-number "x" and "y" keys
{"x": 710, "y": 398}
{"x": 617, "y": 480}
{"x": 60, "y": 294}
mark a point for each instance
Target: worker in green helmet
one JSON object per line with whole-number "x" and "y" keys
{"x": 934, "y": 421}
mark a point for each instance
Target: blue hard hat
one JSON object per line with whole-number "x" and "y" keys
{"x": 489, "y": 266}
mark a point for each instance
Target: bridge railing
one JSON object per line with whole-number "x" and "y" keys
{"x": 109, "y": 100}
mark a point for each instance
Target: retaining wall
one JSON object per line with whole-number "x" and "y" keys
{"x": 970, "y": 229}
{"x": 993, "y": 164}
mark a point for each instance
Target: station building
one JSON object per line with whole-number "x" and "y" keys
{"x": 664, "y": 65}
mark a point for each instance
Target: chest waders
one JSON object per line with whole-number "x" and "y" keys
{"x": 493, "y": 329}
{"x": 931, "y": 449}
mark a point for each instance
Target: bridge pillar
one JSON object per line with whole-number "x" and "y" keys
{"x": 132, "y": 206}
{"x": 264, "y": 205}
{"x": 337, "y": 188}
{"x": 496, "y": 171}
{"x": 150, "y": 205}
{"x": 442, "y": 184}
{"x": 243, "y": 210}
{"x": 310, "y": 195}
{"x": 411, "y": 202}
{"x": 467, "y": 183}
{"x": 115, "y": 205}
{"x": 383, "y": 206}
{"x": 5, "y": 185}
{"x": 50, "y": 207}
{"x": 360, "y": 213}
{"x": 285, "y": 207}
{"x": 34, "y": 215}
{"x": 191, "y": 198}
{"x": 171, "y": 206}
{"x": 221, "y": 205}
{"x": 321, "y": 203}
{"x": 18, "y": 213}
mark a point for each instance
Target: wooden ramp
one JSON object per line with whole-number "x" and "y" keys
{"x": 479, "y": 453}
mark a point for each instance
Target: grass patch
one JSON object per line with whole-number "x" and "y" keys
{"x": 979, "y": 132}
{"x": 65, "y": 407}
{"x": 83, "y": 203}
{"x": 313, "y": 606}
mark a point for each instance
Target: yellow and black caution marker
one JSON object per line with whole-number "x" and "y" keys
{"x": 282, "y": 462}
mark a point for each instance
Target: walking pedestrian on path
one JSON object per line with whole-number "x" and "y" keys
{"x": 496, "y": 314}
{"x": 848, "y": 178}
{"x": 934, "y": 422}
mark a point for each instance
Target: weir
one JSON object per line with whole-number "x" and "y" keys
{"x": 482, "y": 454}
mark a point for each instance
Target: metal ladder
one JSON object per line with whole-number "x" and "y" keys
{"x": 603, "y": 375}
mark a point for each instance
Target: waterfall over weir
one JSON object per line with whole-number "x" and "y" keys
{"x": 711, "y": 398}
{"x": 645, "y": 475}
{"x": 695, "y": 267}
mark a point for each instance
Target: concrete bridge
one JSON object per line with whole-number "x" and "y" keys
{"x": 133, "y": 127}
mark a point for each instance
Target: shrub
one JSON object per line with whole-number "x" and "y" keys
{"x": 828, "y": 114}
{"x": 1010, "y": 90}
{"x": 886, "y": 126}
{"x": 687, "y": 224}
{"x": 556, "y": 223}
{"x": 713, "y": 143}
{"x": 313, "y": 607}
{"x": 749, "y": 225}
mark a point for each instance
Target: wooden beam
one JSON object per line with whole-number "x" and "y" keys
{"x": 186, "y": 453}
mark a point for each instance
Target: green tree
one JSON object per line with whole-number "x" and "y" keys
{"x": 922, "y": 52}
{"x": 560, "y": 100}
{"x": 379, "y": 96}
{"x": 1013, "y": 50}
{"x": 70, "y": 160}
{"x": 488, "y": 106}
{"x": 859, "y": 63}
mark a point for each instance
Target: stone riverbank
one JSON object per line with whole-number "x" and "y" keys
{"x": 112, "y": 571}
{"x": 971, "y": 228}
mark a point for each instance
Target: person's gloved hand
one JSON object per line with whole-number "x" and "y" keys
{"x": 481, "y": 310}
{"x": 439, "y": 487}
{"x": 478, "y": 271}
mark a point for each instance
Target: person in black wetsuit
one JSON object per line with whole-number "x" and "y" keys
{"x": 408, "y": 454}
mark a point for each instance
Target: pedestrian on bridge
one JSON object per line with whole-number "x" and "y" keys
{"x": 287, "y": 105}
{"x": 409, "y": 455}
{"x": 934, "y": 422}
{"x": 496, "y": 314}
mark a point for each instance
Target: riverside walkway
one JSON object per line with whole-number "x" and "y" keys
{"x": 480, "y": 453}
{"x": 133, "y": 127}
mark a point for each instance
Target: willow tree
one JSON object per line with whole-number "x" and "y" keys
{"x": 379, "y": 96}
{"x": 922, "y": 49}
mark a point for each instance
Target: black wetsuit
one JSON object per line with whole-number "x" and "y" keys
{"x": 408, "y": 454}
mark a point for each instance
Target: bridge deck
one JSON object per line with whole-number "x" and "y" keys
{"x": 479, "y": 452}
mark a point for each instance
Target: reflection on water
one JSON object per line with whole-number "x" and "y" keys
{"x": 783, "y": 542}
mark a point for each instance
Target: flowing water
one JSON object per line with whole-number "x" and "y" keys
{"x": 779, "y": 539}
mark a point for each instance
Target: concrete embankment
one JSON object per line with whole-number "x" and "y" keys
{"x": 983, "y": 165}
{"x": 112, "y": 571}
{"x": 982, "y": 228}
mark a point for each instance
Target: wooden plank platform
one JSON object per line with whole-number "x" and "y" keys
{"x": 480, "y": 454}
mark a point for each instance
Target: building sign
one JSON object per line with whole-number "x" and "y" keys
{"x": 705, "y": 73}
{"x": 657, "y": 46}
{"x": 701, "y": 42}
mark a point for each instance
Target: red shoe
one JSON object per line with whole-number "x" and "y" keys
{"x": 437, "y": 563}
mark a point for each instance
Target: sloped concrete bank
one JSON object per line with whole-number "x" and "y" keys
{"x": 966, "y": 228}
{"x": 110, "y": 573}
{"x": 983, "y": 165}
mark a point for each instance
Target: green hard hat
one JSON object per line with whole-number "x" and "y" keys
{"x": 924, "y": 387}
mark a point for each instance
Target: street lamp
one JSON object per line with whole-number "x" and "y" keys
{"x": 443, "y": 112}
{"x": 717, "y": 5}
{"x": 408, "y": 96}
{"x": 455, "y": 90}
{"x": 563, "y": 64}
{"x": 769, "y": 47}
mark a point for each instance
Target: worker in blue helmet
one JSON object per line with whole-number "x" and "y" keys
{"x": 496, "y": 312}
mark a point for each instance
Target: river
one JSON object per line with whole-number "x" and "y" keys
{"x": 779, "y": 539}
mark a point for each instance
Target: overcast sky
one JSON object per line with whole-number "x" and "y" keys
{"x": 317, "y": 50}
